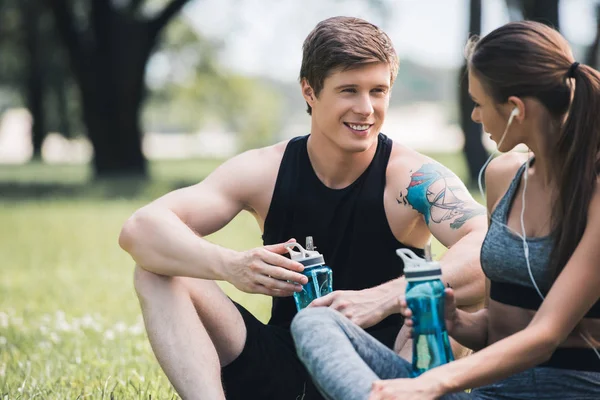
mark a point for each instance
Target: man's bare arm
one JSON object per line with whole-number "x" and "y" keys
{"x": 457, "y": 221}
{"x": 165, "y": 237}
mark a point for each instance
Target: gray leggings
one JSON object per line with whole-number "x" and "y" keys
{"x": 344, "y": 361}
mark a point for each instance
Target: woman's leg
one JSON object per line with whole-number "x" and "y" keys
{"x": 343, "y": 359}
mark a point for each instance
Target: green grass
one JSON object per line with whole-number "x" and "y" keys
{"x": 70, "y": 325}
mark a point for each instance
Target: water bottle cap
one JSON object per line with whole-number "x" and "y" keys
{"x": 417, "y": 268}
{"x": 308, "y": 258}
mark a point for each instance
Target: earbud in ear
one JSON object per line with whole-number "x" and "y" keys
{"x": 514, "y": 112}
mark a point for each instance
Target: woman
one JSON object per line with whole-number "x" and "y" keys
{"x": 528, "y": 89}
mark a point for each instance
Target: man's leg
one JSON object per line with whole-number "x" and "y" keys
{"x": 194, "y": 330}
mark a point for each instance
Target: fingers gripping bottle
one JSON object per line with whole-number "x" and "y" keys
{"x": 425, "y": 298}
{"x": 319, "y": 275}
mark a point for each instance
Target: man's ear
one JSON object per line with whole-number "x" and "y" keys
{"x": 307, "y": 92}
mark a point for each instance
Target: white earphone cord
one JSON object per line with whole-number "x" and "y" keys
{"x": 523, "y": 235}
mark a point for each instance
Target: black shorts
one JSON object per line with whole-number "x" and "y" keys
{"x": 268, "y": 367}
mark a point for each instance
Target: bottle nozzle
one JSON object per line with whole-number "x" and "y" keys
{"x": 310, "y": 246}
{"x": 307, "y": 257}
{"x": 428, "y": 256}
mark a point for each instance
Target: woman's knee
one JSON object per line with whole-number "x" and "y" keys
{"x": 307, "y": 319}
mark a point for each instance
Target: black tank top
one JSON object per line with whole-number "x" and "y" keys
{"x": 348, "y": 225}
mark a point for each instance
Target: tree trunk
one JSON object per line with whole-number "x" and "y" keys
{"x": 544, "y": 11}
{"x": 591, "y": 57}
{"x": 113, "y": 96}
{"x": 109, "y": 59}
{"x": 59, "y": 86}
{"x": 473, "y": 149}
{"x": 35, "y": 80}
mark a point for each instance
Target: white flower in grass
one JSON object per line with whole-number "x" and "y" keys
{"x": 63, "y": 326}
{"x": 44, "y": 345}
{"x": 3, "y": 320}
{"x": 44, "y": 329}
{"x": 76, "y": 325}
{"x": 109, "y": 335}
{"x": 136, "y": 329}
{"x": 54, "y": 338}
{"x": 120, "y": 327}
{"x": 87, "y": 321}
{"x": 2, "y": 370}
{"x": 3, "y": 340}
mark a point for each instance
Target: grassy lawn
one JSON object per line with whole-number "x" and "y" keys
{"x": 70, "y": 325}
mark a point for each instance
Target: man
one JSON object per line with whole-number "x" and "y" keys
{"x": 358, "y": 194}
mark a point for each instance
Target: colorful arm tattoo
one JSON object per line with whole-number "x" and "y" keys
{"x": 430, "y": 193}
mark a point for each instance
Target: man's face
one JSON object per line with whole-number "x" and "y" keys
{"x": 351, "y": 107}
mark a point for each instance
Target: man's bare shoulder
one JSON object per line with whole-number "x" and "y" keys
{"x": 404, "y": 162}
{"x": 256, "y": 165}
{"x": 260, "y": 159}
{"x": 249, "y": 177}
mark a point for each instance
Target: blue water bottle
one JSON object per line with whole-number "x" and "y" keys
{"x": 425, "y": 297}
{"x": 319, "y": 275}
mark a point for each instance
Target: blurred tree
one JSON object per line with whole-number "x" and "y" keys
{"x": 11, "y": 61}
{"x": 545, "y": 11}
{"x": 193, "y": 92}
{"x": 30, "y": 22}
{"x": 473, "y": 149}
{"x": 591, "y": 58}
{"x": 109, "y": 43}
{"x": 33, "y": 69}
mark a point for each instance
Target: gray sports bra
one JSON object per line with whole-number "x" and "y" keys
{"x": 503, "y": 259}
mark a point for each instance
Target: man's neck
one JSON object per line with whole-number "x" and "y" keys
{"x": 335, "y": 167}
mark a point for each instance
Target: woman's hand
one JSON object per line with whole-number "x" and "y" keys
{"x": 450, "y": 312}
{"x": 405, "y": 389}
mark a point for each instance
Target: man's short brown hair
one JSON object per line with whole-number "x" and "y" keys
{"x": 344, "y": 42}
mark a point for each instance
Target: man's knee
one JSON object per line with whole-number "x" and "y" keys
{"x": 147, "y": 283}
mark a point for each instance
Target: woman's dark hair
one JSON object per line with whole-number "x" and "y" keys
{"x": 529, "y": 59}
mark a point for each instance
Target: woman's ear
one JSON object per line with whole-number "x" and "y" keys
{"x": 517, "y": 104}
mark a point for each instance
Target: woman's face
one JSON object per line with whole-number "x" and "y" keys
{"x": 493, "y": 116}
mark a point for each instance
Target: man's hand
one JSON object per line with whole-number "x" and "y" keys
{"x": 363, "y": 307}
{"x": 265, "y": 270}
{"x": 405, "y": 389}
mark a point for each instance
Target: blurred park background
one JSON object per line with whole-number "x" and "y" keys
{"x": 106, "y": 105}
